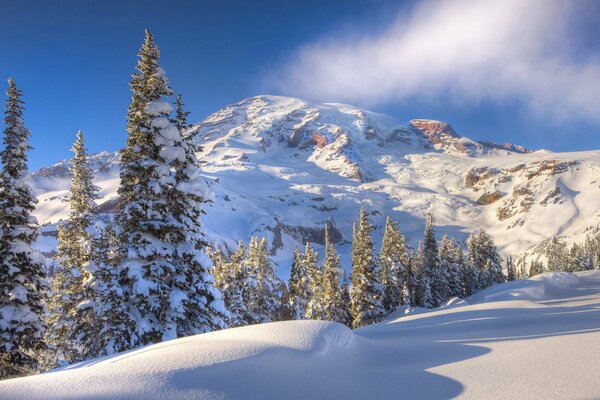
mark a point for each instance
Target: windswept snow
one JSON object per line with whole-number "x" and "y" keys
{"x": 532, "y": 339}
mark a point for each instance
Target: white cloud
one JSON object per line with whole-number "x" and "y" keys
{"x": 463, "y": 51}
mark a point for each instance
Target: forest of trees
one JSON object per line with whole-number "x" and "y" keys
{"x": 148, "y": 274}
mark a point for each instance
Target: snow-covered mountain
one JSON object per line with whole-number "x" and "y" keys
{"x": 531, "y": 339}
{"x": 284, "y": 168}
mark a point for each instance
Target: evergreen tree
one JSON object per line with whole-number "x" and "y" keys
{"x": 450, "y": 266}
{"x": 201, "y": 308}
{"x": 299, "y": 286}
{"x": 577, "y": 260}
{"x": 511, "y": 273}
{"x": 521, "y": 268}
{"x": 483, "y": 256}
{"x": 411, "y": 282}
{"x": 165, "y": 273}
{"x": 432, "y": 288}
{"x": 557, "y": 255}
{"x": 315, "y": 308}
{"x": 181, "y": 116}
{"x": 74, "y": 252}
{"x": 535, "y": 268}
{"x": 232, "y": 278}
{"x": 393, "y": 259}
{"x": 334, "y": 299}
{"x": 469, "y": 273}
{"x": 367, "y": 291}
{"x": 102, "y": 315}
{"x": 265, "y": 300}
{"x": 23, "y": 286}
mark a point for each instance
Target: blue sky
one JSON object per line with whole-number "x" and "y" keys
{"x": 73, "y": 60}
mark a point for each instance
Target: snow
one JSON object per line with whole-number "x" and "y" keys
{"x": 506, "y": 342}
{"x": 259, "y": 181}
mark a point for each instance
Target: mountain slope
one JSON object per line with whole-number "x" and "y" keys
{"x": 283, "y": 168}
{"x": 534, "y": 339}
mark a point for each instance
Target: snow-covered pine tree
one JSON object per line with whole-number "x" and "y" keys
{"x": 432, "y": 288}
{"x": 165, "y": 273}
{"x": 315, "y": 309}
{"x": 577, "y": 259}
{"x": 346, "y": 298}
{"x": 511, "y": 272}
{"x": 299, "y": 286}
{"x": 393, "y": 261}
{"x": 557, "y": 255}
{"x": 23, "y": 285}
{"x": 468, "y": 274}
{"x": 74, "y": 252}
{"x": 181, "y": 116}
{"x": 232, "y": 279}
{"x": 450, "y": 266}
{"x": 411, "y": 283}
{"x": 367, "y": 291}
{"x": 334, "y": 299}
{"x": 102, "y": 315}
{"x": 521, "y": 268}
{"x": 535, "y": 268}
{"x": 265, "y": 302}
{"x": 198, "y": 304}
{"x": 483, "y": 255}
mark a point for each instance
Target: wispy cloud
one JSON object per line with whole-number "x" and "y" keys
{"x": 456, "y": 50}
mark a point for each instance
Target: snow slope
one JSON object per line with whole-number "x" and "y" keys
{"x": 534, "y": 339}
{"x": 283, "y": 168}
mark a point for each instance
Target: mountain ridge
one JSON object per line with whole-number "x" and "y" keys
{"x": 284, "y": 168}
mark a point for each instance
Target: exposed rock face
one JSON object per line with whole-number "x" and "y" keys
{"x": 433, "y": 129}
{"x": 489, "y": 198}
{"x": 304, "y": 234}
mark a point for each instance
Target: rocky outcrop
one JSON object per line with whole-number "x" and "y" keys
{"x": 489, "y": 198}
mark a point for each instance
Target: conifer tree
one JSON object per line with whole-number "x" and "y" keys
{"x": 334, "y": 297}
{"x": 315, "y": 308}
{"x": 411, "y": 282}
{"x": 165, "y": 273}
{"x": 450, "y": 266}
{"x": 181, "y": 116}
{"x": 265, "y": 303}
{"x": 521, "y": 268}
{"x": 232, "y": 279}
{"x": 535, "y": 268}
{"x": 432, "y": 288}
{"x": 511, "y": 273}
{"x": 23, "y": 286}
{"x": 201, "y": 308}
{"x": 367, "y": 291}
{"x": 393, "y": 259}
{"x": 483, "y": 256}
{"x": 74, "y": 252}
{"x": 299, "y": 286}
{"x": 557, "y": 255}
{"x": 469, "y": 274}
{"x": 102, "y": 315}
{"x": 577, "y": 259}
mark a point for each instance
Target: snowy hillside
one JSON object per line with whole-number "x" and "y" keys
{"x": 533, "y": 339}
{"x": 284, "y": 168}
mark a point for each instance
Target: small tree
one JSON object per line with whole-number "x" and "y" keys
{"x": 393, "y": 259}
{"x": 335, "y": 304}
{"x": 367, "y": 291}
{"x": 299, "y": 285}
{"x": 315, "y": 308}
{"x": 74, "y": 252}
{"x": 265, "y": 302}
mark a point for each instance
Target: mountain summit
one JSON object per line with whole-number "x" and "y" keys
{"x": 285, "y": 168}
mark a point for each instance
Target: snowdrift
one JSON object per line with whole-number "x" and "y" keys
{"x": 534, "y": 339}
